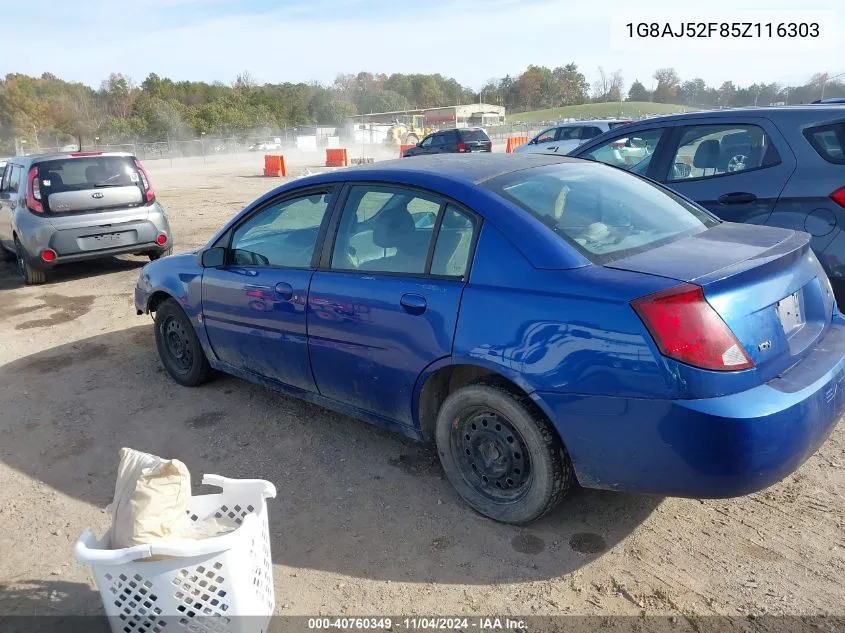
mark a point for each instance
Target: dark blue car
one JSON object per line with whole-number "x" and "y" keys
{"x": 781, "y": 166}
{"x": 559, "y": 321}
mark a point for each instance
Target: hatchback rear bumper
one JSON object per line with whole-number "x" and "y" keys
{"x": 76, "y": 244}
{"x": 712, "y": 448}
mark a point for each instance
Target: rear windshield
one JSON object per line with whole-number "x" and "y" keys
{"x": 605, "y": 213}
{"x": 87, "y": 172}
{"x": 475, "y": 135}
{"x": 828, "y": 141}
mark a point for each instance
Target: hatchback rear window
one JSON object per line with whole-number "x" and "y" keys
{"x": 474, "y": 135}
{"x": 87, "y": 172}
{"x": 605, "y": 213}
{"x": 828, "y": 141}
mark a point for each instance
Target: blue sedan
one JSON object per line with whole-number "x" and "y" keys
{"x": 558, "y": 321}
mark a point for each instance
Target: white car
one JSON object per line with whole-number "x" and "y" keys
{"x": 562, "y": 139}
{"x": 263, "y": 146}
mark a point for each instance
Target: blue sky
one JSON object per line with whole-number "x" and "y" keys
{"x": 471, "y": 40}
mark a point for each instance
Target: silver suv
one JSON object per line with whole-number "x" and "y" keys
{"x": 62, "y": 208}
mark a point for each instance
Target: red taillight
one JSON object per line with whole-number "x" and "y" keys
{"x": 48, "y": 255}
{"x": 33, "y": 192}
{"x": 462, "y": 147}
{"x": 145, "y": 181}
{"x": 687, "y": 328}
{"x": 161, "y": 240}
{"x": 838, "y": 196}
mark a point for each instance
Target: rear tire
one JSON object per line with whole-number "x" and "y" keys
{"x": 29, "y": 275}
{"x": 159, "y": 254}
{"x": 501, "y": 455}
{"x": 178, "y": 346}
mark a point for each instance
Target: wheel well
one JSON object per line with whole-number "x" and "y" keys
{"x": 449, "y": 379}
{"x": 156, "y": 299}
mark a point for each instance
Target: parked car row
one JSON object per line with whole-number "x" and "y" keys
{"x": 541, "y": 319}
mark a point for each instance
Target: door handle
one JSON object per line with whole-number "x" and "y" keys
{"x": 415, "y": 304}
{"x": 284, "y": 290}
{"x": 738, "y": 197}
{"x": 552, "y": 149}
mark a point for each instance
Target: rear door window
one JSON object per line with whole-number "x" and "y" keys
{"x": 828, "y": 141}
{"x": 589, "y": 131}
{"x": 713, "y": 151}
{"x": 571, "y": 133}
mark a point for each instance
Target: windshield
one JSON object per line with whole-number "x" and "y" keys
{"x": 605, "y": 213}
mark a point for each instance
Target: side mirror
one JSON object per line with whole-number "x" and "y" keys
{"x": 213, "y": 257}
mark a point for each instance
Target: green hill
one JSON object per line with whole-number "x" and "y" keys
{"x": 608, "y": 110}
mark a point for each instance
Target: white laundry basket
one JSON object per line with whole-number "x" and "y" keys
{"x": 222, "y": 584}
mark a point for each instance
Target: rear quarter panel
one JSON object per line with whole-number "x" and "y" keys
{"x": 570, "y": 331}
{"x": 804, "y": 203}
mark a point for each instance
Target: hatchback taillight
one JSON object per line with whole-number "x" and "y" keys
{"x": 687, "y": 328}
{"x": 838, "y": 196}
{"x": 33, "y": 192}
{"x": 149, "y": 194}
{"x": 462, "y": 147}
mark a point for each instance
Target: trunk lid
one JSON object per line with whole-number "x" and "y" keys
{"x": 765, "y": 283}
{"x": 89, "y": 184}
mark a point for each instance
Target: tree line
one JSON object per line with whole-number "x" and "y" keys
{"x": 47, "y": 111}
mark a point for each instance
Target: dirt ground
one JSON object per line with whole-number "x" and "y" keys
{"x": 364, "y": 522}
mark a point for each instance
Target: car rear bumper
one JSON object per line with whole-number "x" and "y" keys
{"x": 711, "y": 448}
{"x": 84, "y": 243}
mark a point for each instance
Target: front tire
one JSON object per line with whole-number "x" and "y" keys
{"x": 178, "y": 346}
{"x": 501, "y": 454}
{"x": 29, "y": 275}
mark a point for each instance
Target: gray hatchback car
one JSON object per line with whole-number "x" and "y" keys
{"x": 62, "y": 208}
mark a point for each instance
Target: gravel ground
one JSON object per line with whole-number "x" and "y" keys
{"x": 364, "y": 522}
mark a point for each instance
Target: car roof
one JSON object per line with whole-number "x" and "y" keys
{"x": 40, "y": 158}
{"x": 470, "y": 168}
{"x": 796, "y": 111}
{"x": 589, "y": 121}
{"x": 458, "y": 177}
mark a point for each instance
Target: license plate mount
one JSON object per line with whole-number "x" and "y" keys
{"x": 790, "y": 312}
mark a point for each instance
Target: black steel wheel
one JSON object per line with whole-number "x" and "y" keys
{"x": 178, "y": 346}
{"x": 492, "y": 454}
{"x": 501, "y": 454}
